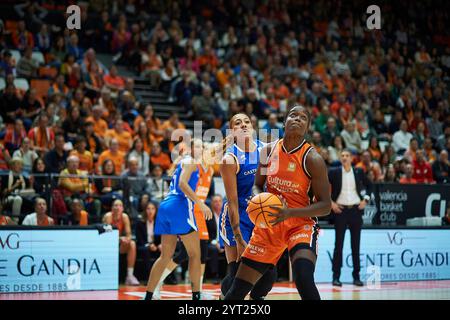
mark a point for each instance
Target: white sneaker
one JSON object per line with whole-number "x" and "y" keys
{"x": 156, "y": 295}
{"x": 207, "y": 296}
{"x": 131, "y": 281}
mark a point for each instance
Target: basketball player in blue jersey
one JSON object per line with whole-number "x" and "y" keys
{"x": 176, "y": 218}
{"x": 238, "y": 169}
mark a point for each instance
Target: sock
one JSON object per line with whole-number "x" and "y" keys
{"x": 164, "y": 275}
{"x": 264, "y": 285}
{"x": 201, "y": 283}
{"x": 303, "y": 270}
{"x": 239, "y": 290}
{"x": 228, "y": 280}
{"x": 196, "y": 295}
{"x": 148, "y": 295}
{"x": 130, "y": 272}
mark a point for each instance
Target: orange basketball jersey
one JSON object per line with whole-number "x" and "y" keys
{"x": 287, "y": 174}
{"x": 204, "y": 183}
{"x": 288, "y": 177}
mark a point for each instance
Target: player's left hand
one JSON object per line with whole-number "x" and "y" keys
{"x": 280, "y": 214}
{"x": 206, "y": 211}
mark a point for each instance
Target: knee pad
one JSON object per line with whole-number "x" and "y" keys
{"x": 264, "y": 284}
{"x": 303, "y": 270}
{"x": 228, "y": 280}
{"x": 239, "y": 289}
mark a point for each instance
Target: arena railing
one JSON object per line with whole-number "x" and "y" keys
{"x": 44, "y": 185}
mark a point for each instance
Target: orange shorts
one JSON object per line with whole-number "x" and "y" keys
{"x": 267, "y": 245}
{"x": 201, "y": 224}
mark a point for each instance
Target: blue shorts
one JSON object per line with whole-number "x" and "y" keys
{"x": 175, "y": 216}
{"x": 225, "y": 230}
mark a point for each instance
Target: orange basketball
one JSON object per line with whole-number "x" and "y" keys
{"x": 258, "y": 209}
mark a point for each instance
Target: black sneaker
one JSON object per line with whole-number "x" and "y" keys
{"x": 358, "y": 283}
{"x": 337, "y": 283}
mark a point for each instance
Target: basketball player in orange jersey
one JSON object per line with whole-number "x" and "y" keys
{"x": 206, "y": 173}
{"x": 290, "y": 170}
{"x": 238, "y": 168}
{"x": 121, "y": 221}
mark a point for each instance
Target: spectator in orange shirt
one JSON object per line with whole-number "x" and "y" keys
{"x": 152, "y": 122}
{"x": 107, "y": 104}
{"x": 408, "y": 179}
{"x": 123, "y": 137}
{"x": 367, "y": 165}
{"x": 86, "y": 158}
{"x": 151, "y": 65}
{"x": 271, "y": 100}
{"x": 72, "y": 180}
{"x": 374, "y": 149}
{"x": 113, "y": 81}
{"x": 100, "y": 125}
{"x": 410, "y": 154}
{"x": 145, "y": 136}
{"x": 14, "y": 136}
{"x": 42, "y": 137}
{"x": 59, "y": 86}
{"x": 93, "y": 80}
{"x": 76, "y": 216}
{"x": 172, "y": 123}
{"x": 109, "y": 186}
{"x": 5, "y": 220}
{"x": 22, "y": 38}
{"x": 224, "y": 74}
{"x": 113, "y": 154}
{"x": 208, "y": 57}
{"x": 281, "y": 90}
{"x": 339, "y": 104}
{"x": 430, "y": 153}
{"x": 159, "y": 158}
{"x": 93, "y": 143}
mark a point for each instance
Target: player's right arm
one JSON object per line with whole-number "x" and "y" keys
{"x": 228, "y": 169}
{"x": 186, "y": 171}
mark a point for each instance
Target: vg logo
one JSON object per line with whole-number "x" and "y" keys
{"x": 11, "y": 241}
{"x": 395, "y": 238}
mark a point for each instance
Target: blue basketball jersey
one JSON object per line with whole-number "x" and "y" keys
{"x": 174, "y": 189}
{"x": 247, "y": 163}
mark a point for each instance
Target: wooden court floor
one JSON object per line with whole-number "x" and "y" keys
{"x": 414, "y": 290}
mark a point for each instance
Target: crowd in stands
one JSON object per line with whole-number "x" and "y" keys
{"x": 384, "y": 94}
